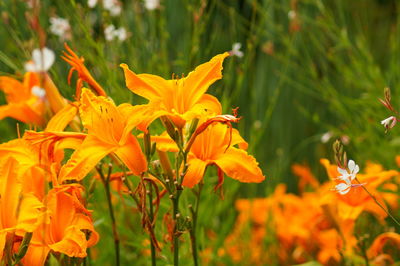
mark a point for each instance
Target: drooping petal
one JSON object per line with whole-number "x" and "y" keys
{"x": 194, "y": 173}
{"x": 198, "y": 81}
{"x": 84, "y": 159}
{"x": 22, "y": 112}
{"x": 73, "y": 244}
{"x": 131, "y": 154}
{"x": 148, "y": 86}
{"x": 382, "y": 240}
{"x": 237, "y": 164}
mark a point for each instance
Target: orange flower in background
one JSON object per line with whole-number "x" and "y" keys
{"x": 215, "y": 146}
{"x": 68, "y": 229}
{"x": 109, "y": 131}
{"x": 389, "y": 239}
{"x": 25, "y": 100}
{"x": 357, "y": 199}
{"x": 181, "y": 99}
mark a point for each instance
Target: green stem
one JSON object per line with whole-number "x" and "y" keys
{"x": 106, "y": 184}
{"x": 193, "y": 239}
{"x": 175, "y": 201}
{"x": 379, "y": 204}
{"x": 151, "y": 214}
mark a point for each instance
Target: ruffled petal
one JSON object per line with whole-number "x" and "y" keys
{"x": 237, "y": 164}
{"x": 194, "y": 173}
{"x": 73, "y": 244}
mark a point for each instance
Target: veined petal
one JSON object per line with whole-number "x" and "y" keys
{"x": 194, "y": 173}
{"x": 237, "y": 164}
{"x": 148, "y": 86}
{"x": 101, "y": 117}
{"x": 84, "y": 159}
{"x": 83, "y": 222}
{"x": 131, "y": 154}
{"x": 198, "y": 81}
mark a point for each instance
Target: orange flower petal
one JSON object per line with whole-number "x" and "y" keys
{"x": 84, "y": 159}
{"x": 383, "y": 239}
{"x": 198, "y": 81}
{"x": 237, "y": 164}
{"x": 145, "y": 85}
{"x": 131, "y": 154}
{"x": 61, "y": 119}
{"x": 195, "y": 172}
{"x": 101, "y": 117}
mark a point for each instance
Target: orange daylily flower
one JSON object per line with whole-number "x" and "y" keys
{"x": 19, "y": 212}
{"x": 109, "y": 131}
{"x": 68, "y": 230}
{"x": 179, "y": 99}
{"x": 23, "y": 104}
{"x": 389, "y": 238}
{"x": 215, "y": 146}
{"x": 83, "y": 73}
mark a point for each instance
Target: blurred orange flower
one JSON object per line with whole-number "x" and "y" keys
{"x": 25, "y": 101}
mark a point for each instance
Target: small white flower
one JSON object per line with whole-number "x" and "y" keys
{"x": 92, "y": 3}
{"x": 114, "y": 6}
{"x": 236, "y": 49}
{"x": 38, "y": 92}
{"x": 151, "y": 4}
{"x": 389, "y": 122}
{"x": 109, "y": 32}
{"x": 121, "y": 34}
{"x": 292, "y": 14}
{"x": 115, "y": 10}
{"x": 42, "y": 60}
{"x": 326, "y": 137}
{"x": 343, "y": 188}
{"x": 60, "y": 27}
{"x": 347, "y": 177}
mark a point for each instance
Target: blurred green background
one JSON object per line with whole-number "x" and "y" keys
{"x": 309, "y": 67}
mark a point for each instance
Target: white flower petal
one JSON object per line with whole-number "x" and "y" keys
{"x": 351, "y": 164}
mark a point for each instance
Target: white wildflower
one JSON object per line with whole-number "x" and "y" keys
{"x": 92, "y": 3}
{"x": 326, "y": 137}
{"x": 151, "y": 4}
{"x": 60, "y": 27}
{"x": 110, "y": 33}
{"x": 114, "y": 6}
{"x": 236, "y": 49}
{"x": 347, "y": 177}
{"x": 389, "y": 122}
{"x": 121, "y": 34}
{"x": 42, "y": 60}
